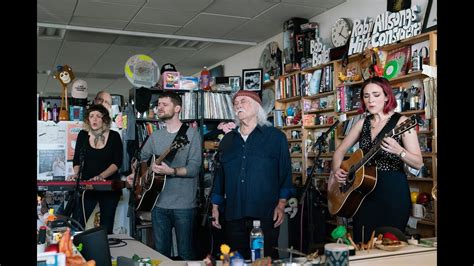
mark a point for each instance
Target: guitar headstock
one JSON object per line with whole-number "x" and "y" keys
{"x": 406, "y": 125}
{"x": 180, "y": 142}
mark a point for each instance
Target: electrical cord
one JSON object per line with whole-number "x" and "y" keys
{"x": 116, "y": 243}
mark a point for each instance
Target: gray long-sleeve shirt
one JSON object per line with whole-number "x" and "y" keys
{"x": 179, "y": 192}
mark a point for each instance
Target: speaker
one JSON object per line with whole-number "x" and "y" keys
{"x": 142, "y": 99}
{"x": 95, "y": 245}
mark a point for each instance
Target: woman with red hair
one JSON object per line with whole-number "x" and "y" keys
{"x": 389, "y": 203}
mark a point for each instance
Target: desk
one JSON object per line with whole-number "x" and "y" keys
{"x": 134, "y": 247}
{"x": 410, "y": 255}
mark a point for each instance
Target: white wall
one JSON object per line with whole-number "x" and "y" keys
{"x": 353, "y": 9}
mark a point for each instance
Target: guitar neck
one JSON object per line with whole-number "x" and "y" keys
{"x": 371, "y": 153}
{"x": 162, "y": 156}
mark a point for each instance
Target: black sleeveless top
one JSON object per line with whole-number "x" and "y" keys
{"x": 383, "y": 160}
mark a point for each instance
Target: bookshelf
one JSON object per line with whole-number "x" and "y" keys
{"x": 291, "y": 89}
{"x": 407, "y": 87}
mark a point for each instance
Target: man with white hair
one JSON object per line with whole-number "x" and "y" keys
{"x": 254, "y": 179}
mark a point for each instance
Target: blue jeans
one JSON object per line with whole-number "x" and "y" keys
{"x": 163, "y": 221}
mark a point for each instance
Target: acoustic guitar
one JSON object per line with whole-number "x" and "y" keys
{"x": 345, "y": 199}
{"x": 149, "y": 184}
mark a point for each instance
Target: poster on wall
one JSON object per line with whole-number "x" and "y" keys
{"x": 72, "y": 132}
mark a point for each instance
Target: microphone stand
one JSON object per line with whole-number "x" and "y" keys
{"x": 319, "y": 146}
{"x": 77, "y": 188}
{"x": 131, "y": 200}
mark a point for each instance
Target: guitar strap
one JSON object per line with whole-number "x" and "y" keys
{"x": 181, "y": 132}
{"x": 389, "y": 126}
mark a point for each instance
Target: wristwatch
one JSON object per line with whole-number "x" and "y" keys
{"x": 403, "y": 154}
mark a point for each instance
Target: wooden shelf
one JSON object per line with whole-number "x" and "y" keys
{"x": 317, "y": 126}
{"x": 326, "y": 110}
{"x": 408, "y": 77}
{"x": 291, "y": 127}
{"x": 290, "y": 99}
{"x": 427, "y": 154}
{"x": 294, "y": 140}
{"x": 350, "y": 83}
{"x": 319, "y": 95}
{"x": 349, "y": 113}
{"x": 296, "y": 155}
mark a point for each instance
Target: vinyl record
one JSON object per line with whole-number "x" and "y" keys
{"x": 142, "y": 71}
{"x": 268, "y": 100}
{"x": 391, "y": 69}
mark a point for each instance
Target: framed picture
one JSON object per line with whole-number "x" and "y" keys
{"x": 430, "y": 19}
{"x": 252, "y": 79}
{"x": 234, "y": 82}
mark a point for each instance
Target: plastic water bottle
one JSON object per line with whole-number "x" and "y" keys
{"x": 256, "y": 241}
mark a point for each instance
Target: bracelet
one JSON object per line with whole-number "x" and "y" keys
{"x": 175, "y": 171}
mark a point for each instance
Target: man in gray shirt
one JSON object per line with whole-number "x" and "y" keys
{"x": 176, "y": 203}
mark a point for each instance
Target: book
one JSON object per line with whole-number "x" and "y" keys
{"x": 397, "y": 62}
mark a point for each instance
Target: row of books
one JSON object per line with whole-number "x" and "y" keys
{"x": 217, "y": 106}
{"x": 347, "y": 98}
{"x": 305, "y": 84}
{"x": 318, "y": 104}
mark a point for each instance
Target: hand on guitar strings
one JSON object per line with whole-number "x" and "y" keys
{"x": 340, "y": 175}
{"x": 162, "y": 169}
{"x": 390, "y": 145}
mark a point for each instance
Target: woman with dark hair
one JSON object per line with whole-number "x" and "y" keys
{"x": 389, "y": 203}
{"x": 99, "y": 150}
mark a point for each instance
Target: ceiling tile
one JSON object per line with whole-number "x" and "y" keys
{"x": 55, "y": 11}
{"x": 143, "y": 27}
{"x": 99, "y": 23}
{"x": 283, "y": 12}
{"x": 120, "y": 86}
{"x": 211, "y": 26}
{"x": 179, "y": 5}
{"x": 255, "y": 30}
{"x": 164, "y": 55}
{"x": 242, "y": 8}
{"x": 160, "y": 16}
{"x": 114, "y": 59}
{"x": 46, "y": 53}
{"x": 94, "y": 9}
{"x": 83, "y": 54}
{"x": 124, "y": 2}
{"x": 213, "y": 54}
{"x": 315, "y": 3}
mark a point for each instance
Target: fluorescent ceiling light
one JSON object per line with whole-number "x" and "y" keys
{"x": 143, "y": 34}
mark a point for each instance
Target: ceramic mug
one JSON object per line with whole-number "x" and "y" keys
{"x": 336, "y": 254}
{"x": 419, "y": 211}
